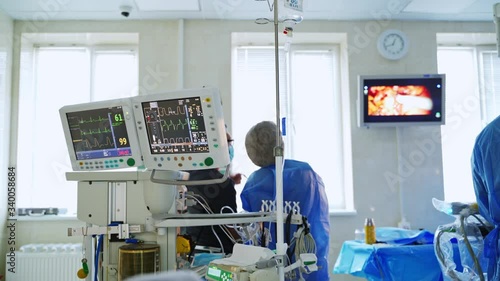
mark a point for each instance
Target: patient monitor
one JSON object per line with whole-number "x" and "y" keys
{"x": 101, "y": 135}
{"x": 181, "y": 130}
{"x": 167, "y": 134}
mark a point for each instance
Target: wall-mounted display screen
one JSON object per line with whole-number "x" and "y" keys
{"x": 402, "y": 100}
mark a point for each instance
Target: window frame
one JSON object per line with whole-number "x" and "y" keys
{"x": 30, "y": 47}
{"x": 476, "y": 52}
{"x": 342, "y": 100}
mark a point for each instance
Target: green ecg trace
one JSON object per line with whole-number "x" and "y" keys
{"x": 99, "y": 119}
{"x": 96, "y": 132}
{"x": 171, "y": 124}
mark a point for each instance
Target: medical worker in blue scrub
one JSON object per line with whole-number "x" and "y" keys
{"x": 300, "y": 184}
{"x": 486, "y": 179}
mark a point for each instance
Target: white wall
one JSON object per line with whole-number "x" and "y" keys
{"x": 206, "y": 54}
{"x": 6, "y": 37}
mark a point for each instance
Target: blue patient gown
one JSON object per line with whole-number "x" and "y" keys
{"x": 300, "y": 184}
{"x": 486, "y": 178}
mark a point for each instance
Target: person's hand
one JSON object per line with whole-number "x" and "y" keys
{"x": 236, "y": 178}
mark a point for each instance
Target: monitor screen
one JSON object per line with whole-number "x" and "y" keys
{"x": 182, "y": 130}
{"x": 101, "y": 135}
{"x": 176, "y": 126}
{"x": 402, "y": 100}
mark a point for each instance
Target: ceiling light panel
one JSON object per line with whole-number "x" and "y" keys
{"x": 168, "y": 5}
{"x": 438, "y": 6}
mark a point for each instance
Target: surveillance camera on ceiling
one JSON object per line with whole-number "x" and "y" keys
{"x": 125, "y": 10}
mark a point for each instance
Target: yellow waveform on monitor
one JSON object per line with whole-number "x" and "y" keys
{"x": 97, "y": 144}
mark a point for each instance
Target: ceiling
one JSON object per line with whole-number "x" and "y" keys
{"x": 434, "y": 10}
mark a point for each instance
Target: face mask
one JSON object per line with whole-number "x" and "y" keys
{"x": 231, "y": 156}
{"x": 231, "y": 153}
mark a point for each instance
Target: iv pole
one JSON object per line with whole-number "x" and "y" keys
{"x": 278, "y": 154}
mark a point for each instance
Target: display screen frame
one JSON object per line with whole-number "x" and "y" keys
{"x": 183, "y": 112}
{"x": 433, "y": 85}
{"x": 90, "y": 125}
{"x": 206, "y": 113}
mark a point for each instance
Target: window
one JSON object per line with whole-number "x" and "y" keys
{"x": 52, "y": 77}
{"x": 311, "y": 102}
{"x": 472, "y": 101}
{"x": 489, "y": 69}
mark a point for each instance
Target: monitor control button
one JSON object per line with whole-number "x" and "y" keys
{"x": 209, "y": 161}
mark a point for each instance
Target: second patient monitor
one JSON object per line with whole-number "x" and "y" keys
{"x": 181, "y": 130}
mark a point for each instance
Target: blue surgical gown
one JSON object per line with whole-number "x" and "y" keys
{"x": 485, "y": 162}
{"x": 300, "y": 184}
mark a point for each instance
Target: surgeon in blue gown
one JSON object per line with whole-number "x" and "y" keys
{"x": 300, "y": 184}
{"x": 485, "y": 162}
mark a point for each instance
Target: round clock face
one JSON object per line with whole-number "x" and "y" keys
{"x": 392, "y": 44}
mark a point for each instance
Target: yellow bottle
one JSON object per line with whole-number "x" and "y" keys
{"x": 370, "y": 237}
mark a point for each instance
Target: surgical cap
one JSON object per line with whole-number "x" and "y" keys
{"x": 260, "y": 142}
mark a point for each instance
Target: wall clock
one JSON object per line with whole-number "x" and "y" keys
{"x": 393, "y": 44}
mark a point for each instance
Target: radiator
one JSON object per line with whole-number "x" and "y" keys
{"x": 45, "y": 262}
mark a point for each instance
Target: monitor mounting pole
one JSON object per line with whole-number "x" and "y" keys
{"x": 278, "y": 154}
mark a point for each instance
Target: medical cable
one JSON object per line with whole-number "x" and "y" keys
{"x": 207, "y": 209}
{"x": 469, "y": 248}
{"x": 97, "y": 254}
{"x": 303, "y": 241}
{"x": 287, "y": 234}
{"x": 218, "y": 238}
{"x": 232, "y": 211}
{"x": 480, "y": 220}
{"x": 441, "y": 256}
{"x": 227, "y": 207}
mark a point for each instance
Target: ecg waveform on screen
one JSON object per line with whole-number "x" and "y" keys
{"x": 95, "y": 143}
{"x": 178, "y": 140}
{"x": 93, "y": 135}
{"x": 99, "y": 133}
{"x": 168, "y": 129}
{"x": 180, "y": 124}
{"x": 179, "y": 110}
{"x": 92, "y": 120}
{"x": 176, "y": 126}
{"x": 96, "y": 132}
